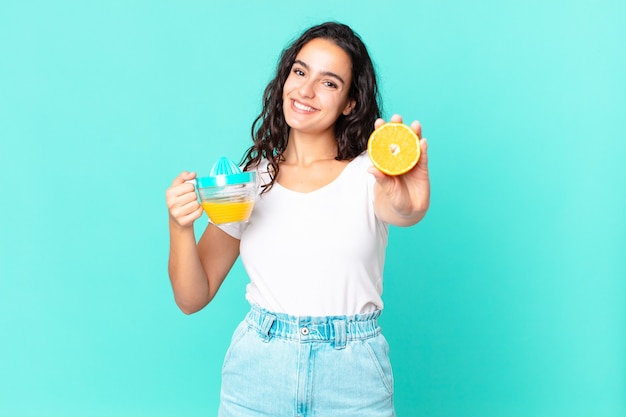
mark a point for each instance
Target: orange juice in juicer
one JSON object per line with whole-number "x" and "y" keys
{"x": 227, "y": 194}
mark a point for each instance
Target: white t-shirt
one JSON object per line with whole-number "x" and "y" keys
{"x": 315, "y": 254}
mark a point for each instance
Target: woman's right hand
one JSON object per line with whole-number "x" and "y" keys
{"x": 182, "y": 202}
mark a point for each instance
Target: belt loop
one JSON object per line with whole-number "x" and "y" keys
{"x": 340, "y": 334}
{"x": 266, "y": 326}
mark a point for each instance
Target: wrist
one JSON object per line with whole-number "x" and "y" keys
{"x": 177, "y": 228}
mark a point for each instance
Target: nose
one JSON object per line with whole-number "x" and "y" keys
{"x": 307, "y": 88}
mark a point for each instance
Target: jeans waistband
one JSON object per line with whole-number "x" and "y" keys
{"x": 335, "y": 329}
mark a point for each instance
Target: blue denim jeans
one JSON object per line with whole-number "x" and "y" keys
{"x": 279, "y": 365}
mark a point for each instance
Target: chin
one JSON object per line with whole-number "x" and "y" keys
{"x": 296, "y": 122}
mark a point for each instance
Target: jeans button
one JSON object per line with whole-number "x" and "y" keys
{"x": 304, "y": 331}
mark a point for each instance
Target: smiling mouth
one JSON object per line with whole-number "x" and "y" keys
{"x": 302, "y": 107}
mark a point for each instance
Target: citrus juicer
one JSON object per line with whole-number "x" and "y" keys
{"x": 227, "y": 194}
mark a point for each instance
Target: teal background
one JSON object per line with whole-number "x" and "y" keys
{"x": 507, "y": 300}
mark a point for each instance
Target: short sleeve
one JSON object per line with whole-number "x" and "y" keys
{"x": 233, "y": 229}
{"x": 364, "y": 164}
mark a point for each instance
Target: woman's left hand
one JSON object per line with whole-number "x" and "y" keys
{"x": 404, "y": 199}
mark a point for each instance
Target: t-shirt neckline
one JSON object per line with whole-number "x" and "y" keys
{"x": 323, "y": 187}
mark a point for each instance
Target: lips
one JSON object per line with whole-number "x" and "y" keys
{"x": 301, "y": 107}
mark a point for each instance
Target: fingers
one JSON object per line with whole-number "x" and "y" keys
{"x": 423, "y": 161}
{"x": 380, "y": 177}
{"x": 424, "y": 146}
{"x": 187, "y": 214}
{"x": 183, "y": 176}
{"x": 396, "y": 118}
{"x": 417, "y": 128}
{"x": 181, "y": 199}
{"x": 180, "y": 195}
{"x": 180, "y": 185}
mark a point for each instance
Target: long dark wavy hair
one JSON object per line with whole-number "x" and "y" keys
{"x": 270, "y": 131}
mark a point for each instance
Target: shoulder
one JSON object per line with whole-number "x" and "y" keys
{"x": 362, "y": 161}
{"x": 357, "y": 174}
{"x": 360, "y": 164}
{"x": 259, "y": 167}
{"x": 262, "y": 170}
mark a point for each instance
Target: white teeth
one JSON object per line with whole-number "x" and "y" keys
{"x": 301, "y": 106}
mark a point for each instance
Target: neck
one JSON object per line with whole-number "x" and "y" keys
{"x": 303, "y": 149}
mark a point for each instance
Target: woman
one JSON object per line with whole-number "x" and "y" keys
{"x": 315, "y": 243}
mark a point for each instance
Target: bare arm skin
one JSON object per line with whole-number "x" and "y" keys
{"x": 196, "y": 270}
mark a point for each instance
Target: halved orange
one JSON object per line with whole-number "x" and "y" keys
{"x": 394, "y": 148}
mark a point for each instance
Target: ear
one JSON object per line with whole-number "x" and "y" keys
{"x": 349, "y": 107}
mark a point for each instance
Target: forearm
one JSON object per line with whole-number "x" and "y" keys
{"x": 188, "y": 278}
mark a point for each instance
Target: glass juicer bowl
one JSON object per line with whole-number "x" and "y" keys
{"x": 227, "y": 194}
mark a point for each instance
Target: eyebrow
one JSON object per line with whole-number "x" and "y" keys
{"x": 326, "y": 73}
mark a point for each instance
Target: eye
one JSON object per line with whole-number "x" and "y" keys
{"x": 298, "y": 72}
{"x": 330, "y": 84}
